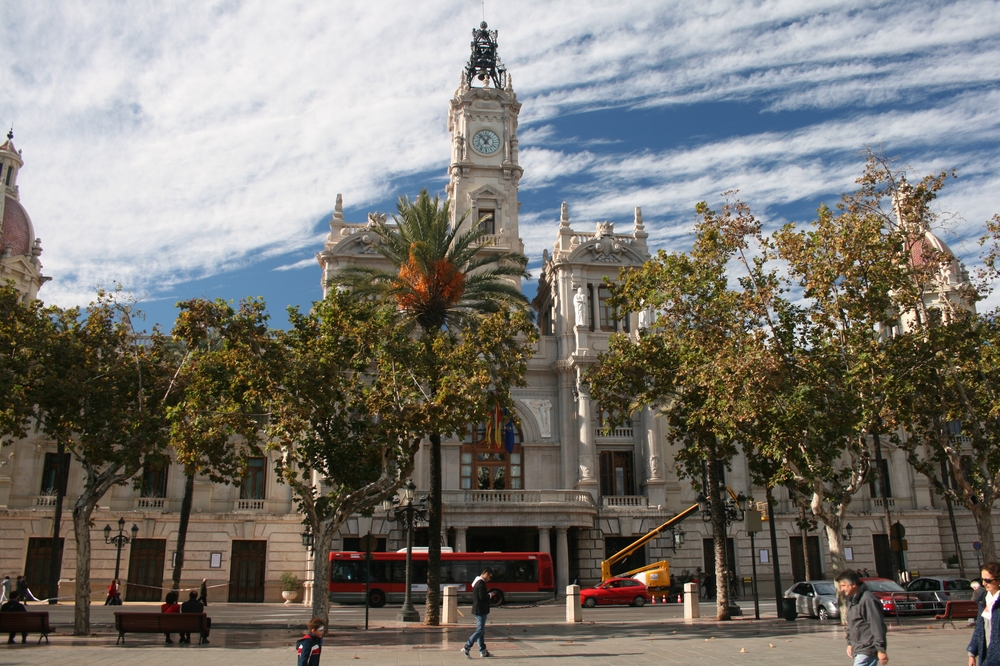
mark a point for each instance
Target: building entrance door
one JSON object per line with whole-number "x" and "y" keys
{"x": 799, "y": 560}
{"x": 883, "y": 556}
{"x": 708, "y": 553}
{"x": 38, "y": 564}
{"x": 145, "y": 570}
{"x": 246, "y": 572}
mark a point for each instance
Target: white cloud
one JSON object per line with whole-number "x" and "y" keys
{"x": 167, "y": 141}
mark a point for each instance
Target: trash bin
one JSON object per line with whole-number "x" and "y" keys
{"x": 788, "y": 610}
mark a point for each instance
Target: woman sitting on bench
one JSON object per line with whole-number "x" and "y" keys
{"x": 171, "y": 606}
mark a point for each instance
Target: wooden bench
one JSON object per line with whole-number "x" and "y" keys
{"x": 957, "y": 610}
{"x": 160, "y": 623}
{"x": 30, "y": 623}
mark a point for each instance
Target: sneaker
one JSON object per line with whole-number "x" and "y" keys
{"x": 485, "y": 653}
{"x": 465, "y": 651}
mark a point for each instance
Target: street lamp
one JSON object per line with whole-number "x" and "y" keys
{"x": 308, "y": 538}
{"x": 676, "y": 537}
{"x": 119, "y": 540}
{"x": 733, "y": 508}
{"x": 408, "y": 514}
{"x": 849, "y": 533}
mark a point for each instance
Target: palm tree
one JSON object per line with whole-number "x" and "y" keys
{"x": 442, "y": 281}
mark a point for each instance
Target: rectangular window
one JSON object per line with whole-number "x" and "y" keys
{"x": 253, "y": 480}
{"x": 875, "y": 483}
{"x": 154, "y": 481}
{"x": 590, "y": 307}
{"x": 616, "y": 473}
{"x": 50, "y": 472}
{"x": 487, "y": 220}
{"x": 607, "y": 313}
{"x": 10, "y": 172}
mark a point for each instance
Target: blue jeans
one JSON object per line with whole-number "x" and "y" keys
{"x": 479, "y": 634}
{"x": 865, "y": 660}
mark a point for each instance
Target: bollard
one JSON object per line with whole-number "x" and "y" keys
{"x": 573, "y": 611}
{"x": 691, "y": 608}
{"x": 450, "y": 605}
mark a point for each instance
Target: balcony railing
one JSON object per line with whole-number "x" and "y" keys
{"x": 150, "y": 503}
{"x": 45, "y": 500}
{"x": 250, "y": 505}
{"x": 613, "y": 433}
{"x": 879, "y": 503}
{"x": 506, "y": 497}
{"x": 625, "y": 501}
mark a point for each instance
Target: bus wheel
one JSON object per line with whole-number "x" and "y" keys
{"x": 496, "y": 597}
{"x": 376, "y": 598}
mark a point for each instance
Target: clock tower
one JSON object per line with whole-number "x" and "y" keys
{"x": 482, "y": 119}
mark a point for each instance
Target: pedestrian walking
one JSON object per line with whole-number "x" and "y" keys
{"x": 203, "y": 592}
{"x": 866, "y": 642}
{"x": 114, "y": 596}
{"x": 984, "y": 644}
{"x": 15, "y": 606}
{"x": 480, "y": 610}
{"x": 310, "y": 646}
{"x": 5, "y": 588}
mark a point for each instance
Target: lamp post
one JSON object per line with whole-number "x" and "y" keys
{"x": 676, "y": 537}
{"x": 733, "y": 508}
{"x": 119, "y": 540}
{"x": 849, "y": 533}
{"x": 408, "y": 514}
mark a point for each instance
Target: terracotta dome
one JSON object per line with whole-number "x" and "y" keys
{"x": 936, "y": 247}
{"x": 16, "y": 232}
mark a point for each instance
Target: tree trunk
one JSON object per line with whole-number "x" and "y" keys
{"x": 57, "y": 552}
{"x": 981, "y": 512}
{"x": 81, "y": 526}
{"x": 182, "y": 528}
{"x": 804, "y": 535}
{"x": 432, "y": 612}
{"x": 321, "y": 572}
{"x": 946, "y": 481}
{"x": 715, "y": 497}
{"x": 833, "y": 535}
{"x": 779, "y": 594}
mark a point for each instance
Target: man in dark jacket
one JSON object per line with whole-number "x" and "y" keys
{"x": 15, "y": 606}
{"x": 866, "y": 642}
{"x": 193, "y": 605}
{"x": 480, "y": 609}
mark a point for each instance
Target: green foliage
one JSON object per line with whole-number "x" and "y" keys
{"x": 289, "y": 582}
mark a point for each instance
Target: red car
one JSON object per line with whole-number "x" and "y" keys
{"x": 615, "y": 592}
{"x": 893, "y": 597}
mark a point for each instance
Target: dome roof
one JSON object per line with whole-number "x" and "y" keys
{"x": 932, "y": 246}
{"x": 16, "y": 231}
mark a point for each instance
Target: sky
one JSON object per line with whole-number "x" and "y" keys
{"x": 196, "y": 149}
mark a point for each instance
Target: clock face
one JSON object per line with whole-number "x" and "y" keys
{"x": 486, "y": 142}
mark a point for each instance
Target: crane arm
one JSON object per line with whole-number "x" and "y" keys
{"x": 642, "y": 541}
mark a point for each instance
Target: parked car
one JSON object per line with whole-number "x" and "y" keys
{"x": 895, "y": 600}
{"x": 615, "y": 592}
{"x": 935, "y": 591}
{"x": 817, "y": 598}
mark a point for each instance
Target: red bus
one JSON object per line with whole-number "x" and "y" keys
{"x": 517, "y": 577}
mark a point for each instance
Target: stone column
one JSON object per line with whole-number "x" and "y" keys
{"x": 460, "y": 539}
{"x": 544, "y": 540}
{"x": 586, "y": 458}
{"x": 562, "y": 558}
{"x": 652, "y": 440}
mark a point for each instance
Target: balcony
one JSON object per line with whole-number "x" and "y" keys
{"x": 150, "y": 503}
{"x": 250, "y": 504}
{"x": 879, "y": 503}
{"x": 613, "y": 433}
{"x": 509, "y": 497}
{"x": 624, "y": 502}
{"x": 45, "y": 500}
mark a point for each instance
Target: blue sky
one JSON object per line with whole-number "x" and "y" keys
{"x": 192, "y": 149}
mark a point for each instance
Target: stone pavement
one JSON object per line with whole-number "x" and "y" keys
{"x": 607, "y": 636}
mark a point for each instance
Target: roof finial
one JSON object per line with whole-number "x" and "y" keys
{"x": 10, "y": 134}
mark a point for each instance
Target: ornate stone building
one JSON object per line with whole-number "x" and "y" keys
{"x": 19, "y": 249}
{"x": 571, "y": 486}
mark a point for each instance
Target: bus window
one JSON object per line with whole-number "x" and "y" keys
{"x": 347, "y": 572}
{"x": 522, "y": 572}
{"x": 498, "y": 569}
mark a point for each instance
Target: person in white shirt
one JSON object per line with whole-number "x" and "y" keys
{"x": 984, "y": 645}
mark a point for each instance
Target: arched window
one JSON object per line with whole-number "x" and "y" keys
{"x": 486, "y": 467}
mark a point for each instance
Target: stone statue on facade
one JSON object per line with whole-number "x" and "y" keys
{"x": 580, "y": 305}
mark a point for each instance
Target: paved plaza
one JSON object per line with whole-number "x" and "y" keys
{"x": 249, "y": 635}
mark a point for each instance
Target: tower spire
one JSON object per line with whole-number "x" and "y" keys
{"x": 484, "y": 63}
